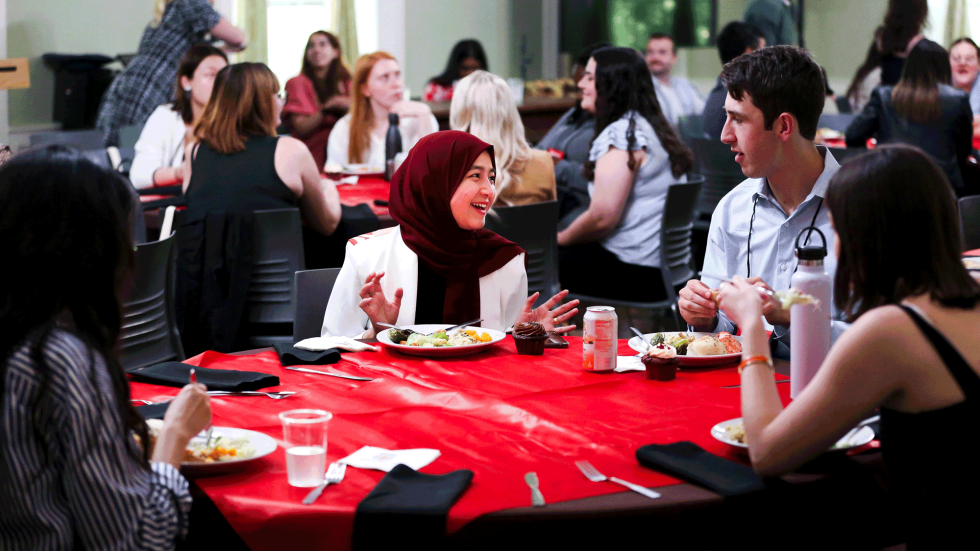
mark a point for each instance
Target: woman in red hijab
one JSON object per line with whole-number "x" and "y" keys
{"x": 439, "y": 265}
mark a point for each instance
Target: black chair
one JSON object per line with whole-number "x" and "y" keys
{"x": 844, "y": 153}
{"x": 716, "y": 163}
{"x": 676, "y": 257}
{"x": 843, "y": 105}
{"x": 837, "y": 122}
{"x": 278, "y": 255}
{"x": 82, "y": 139}
{"x": 311, "y": 293}
{"x": 970, "y": 221}
{"x": 533, "y": 228}
{"x": 149, "y": 332}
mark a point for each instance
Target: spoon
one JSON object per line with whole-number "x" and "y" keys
{"x": 643, "y": 340}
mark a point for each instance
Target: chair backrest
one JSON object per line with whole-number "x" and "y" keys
{"x": 534, "y": 228}
{"x": 842, "y": 154}
{"x": 311, "y": 293}
{"x": 149, "y": 329}
{"x": 843, "y": 105}
{"x": 98, "y": 156}
{"x": 714, "y": 161}
{"x": 970, "y": 221}
{"x": 278, "y": 255}
{"x": 836, "y": 122}
{"x": 82, "y": 139}
{"x": 129, "y": 135}
{"x": 675, "y": 233}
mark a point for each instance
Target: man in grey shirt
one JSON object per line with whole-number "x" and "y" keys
{"x": 676, "y": 95}
{"x": 775, "y": 97}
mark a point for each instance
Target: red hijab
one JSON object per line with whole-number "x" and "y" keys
{"x": 420, "y": 193}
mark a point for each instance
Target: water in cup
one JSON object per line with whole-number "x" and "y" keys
{"x": 305, "y": 434}
{"x": 305, "y": 465}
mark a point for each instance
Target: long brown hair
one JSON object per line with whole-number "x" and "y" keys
{"x": 885, "y": 203}
{"x": 916, "y": 96}
{"x": 188, "y": 66}
{"x": 360, "y": 106}
{"x": 337, "y": 72}
{"x": 241, "y": 105}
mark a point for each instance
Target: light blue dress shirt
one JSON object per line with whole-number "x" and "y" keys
{"x": 773, "y": 256}
{"x": 679, "y": 99}
{"x": 975, "y": 96}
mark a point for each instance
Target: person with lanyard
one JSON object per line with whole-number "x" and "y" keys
{"x": 439, "y": 265}
{"x": 775, "y": 97}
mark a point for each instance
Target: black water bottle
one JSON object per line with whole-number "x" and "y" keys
{"x": 393, "y": 145}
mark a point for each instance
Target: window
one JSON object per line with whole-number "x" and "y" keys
{"x": 290, "y": 24}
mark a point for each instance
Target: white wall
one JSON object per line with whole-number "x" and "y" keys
{"x": 432, "y": 27}
{"x": 35, "y": 27}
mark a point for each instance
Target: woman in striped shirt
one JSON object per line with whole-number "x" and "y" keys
{"x": 72, "y": 474}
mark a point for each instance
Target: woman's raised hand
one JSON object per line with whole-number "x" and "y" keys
{"x": 740, "y": 300}
{"x": 376, "y": 305}
{"x": 547, "y": 314}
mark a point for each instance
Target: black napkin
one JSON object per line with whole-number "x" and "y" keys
{"x": 290, "y": 355}
{"x": 408, "y": 507}
{"x": 178, "y": 374}
{"x": 688, "y": 461}
{"x": 153, "y": 411}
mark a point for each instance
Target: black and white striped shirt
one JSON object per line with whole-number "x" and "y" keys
{"x": 75, "y": 486}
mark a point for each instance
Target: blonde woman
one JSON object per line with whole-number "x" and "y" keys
{"x": 483, "y": 106}
{"x": 148, "y": 79}
{"x": 376, "y": 90}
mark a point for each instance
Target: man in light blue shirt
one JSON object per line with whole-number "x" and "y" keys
{"x": 775, "y": 97}
{"x": 676, "y": 95}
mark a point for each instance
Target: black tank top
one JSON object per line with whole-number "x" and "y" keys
{"x": 241, "y": 182}
{"x": 932, "y": 456}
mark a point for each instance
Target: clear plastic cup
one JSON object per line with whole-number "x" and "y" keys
{"x": 305, "y": 433}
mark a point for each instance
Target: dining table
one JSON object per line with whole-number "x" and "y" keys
{"x": 501, "y": 415}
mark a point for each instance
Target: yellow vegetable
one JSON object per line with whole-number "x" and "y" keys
{"x": 485, "y": 338}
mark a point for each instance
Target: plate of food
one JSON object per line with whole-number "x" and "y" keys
{"x": 360, "y": 169}
{"x": 732, "y": 432}
{"x": 696, "y": 349}
{"x": 972, "y": 263}
{"x": 432, "y": 341}
{"x": 229, "y": 448}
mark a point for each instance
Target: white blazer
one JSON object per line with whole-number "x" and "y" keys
{"x": 161, "y": 145}
{"x": 502, "y": 293}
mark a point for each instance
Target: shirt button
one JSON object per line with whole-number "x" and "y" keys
{"x": 786, "y": 225}
{"x": 782, "y": 267}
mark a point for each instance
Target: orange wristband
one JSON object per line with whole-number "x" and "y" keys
{"x": 755, "y": 360}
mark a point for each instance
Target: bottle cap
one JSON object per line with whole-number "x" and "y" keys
{"x": 393, "y": 118}
{"x": 808, "y": 251}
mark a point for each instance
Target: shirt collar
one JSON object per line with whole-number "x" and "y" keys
{"x": 830, "y": 167}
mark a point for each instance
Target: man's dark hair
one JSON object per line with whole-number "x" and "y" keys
{"x": 779, "y": 79}
{"x": 882, "y": 201}
{"x": 734, "y": 38}
{"x": 660, "y": 36}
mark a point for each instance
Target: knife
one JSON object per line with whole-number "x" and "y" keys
{"x": 536, "y": 498}
{"x": 462, "y": 325}
{"x": 341, "y": 375}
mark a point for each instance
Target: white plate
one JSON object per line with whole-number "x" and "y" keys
{"x": 972, "y": 263}
{"x": 860, "y": 438}
{"x": 690, "y": 361}
{"x": 262, "y": 443}
{"x": 441, "y": 351}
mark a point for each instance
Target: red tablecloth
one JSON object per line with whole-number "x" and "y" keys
{"x": 496, "y": 413}
{"x": 366, "y": 190}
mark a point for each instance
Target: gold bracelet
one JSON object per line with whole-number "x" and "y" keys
{"x": 755, "y": 360}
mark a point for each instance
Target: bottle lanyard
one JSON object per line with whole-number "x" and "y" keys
{"x": 748, "y": 247}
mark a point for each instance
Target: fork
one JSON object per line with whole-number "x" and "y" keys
{"x": 592, "y": 474}
{"x": 193, "y": 377}
{"x": 335, "y": 473}
{"x": 274, "y": 395}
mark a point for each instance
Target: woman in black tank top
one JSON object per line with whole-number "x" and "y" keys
{"x": 899, "y": 275}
